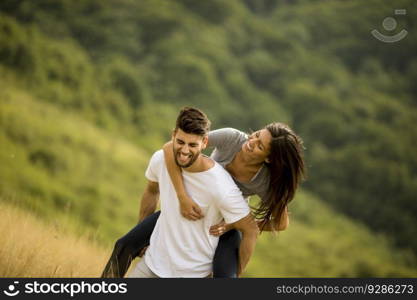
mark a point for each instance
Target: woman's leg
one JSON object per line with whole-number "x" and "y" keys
{"x": 129, "y": 246}
{"x": 226, "y": 257}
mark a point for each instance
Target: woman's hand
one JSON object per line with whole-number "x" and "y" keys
{"x": 219, "y": 229}
{"x": 189, "y": 209}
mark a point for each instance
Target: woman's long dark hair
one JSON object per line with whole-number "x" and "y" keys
{"x": 286, "y": 165}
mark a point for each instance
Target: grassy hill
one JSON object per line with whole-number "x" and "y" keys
{"x": 56, "y": 163}
{"x": 84, "y": 181}
{"x": 321, "y": 242}
{"x": 33, "y": 247}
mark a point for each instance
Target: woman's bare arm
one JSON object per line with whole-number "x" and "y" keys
{"x": 222, "y": 227}
{"x": 189, "y": 209}
{"x": 273, "y": 225}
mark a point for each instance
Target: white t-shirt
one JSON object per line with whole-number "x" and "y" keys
{"x": 183, "y": 248}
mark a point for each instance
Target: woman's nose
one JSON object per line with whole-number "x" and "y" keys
{"x": 252, "y": 143}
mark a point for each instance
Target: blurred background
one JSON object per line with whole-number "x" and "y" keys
{"x": 90, "y": 89}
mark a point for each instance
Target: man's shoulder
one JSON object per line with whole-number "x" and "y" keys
{"x": 217, "y": 170}
{"x": 154, "y": 166}
{"x": 157, "y": 158}
{"x": 223, "y": 180}
{"x": 227, "y": 195}
{"x": 158, "y": 155}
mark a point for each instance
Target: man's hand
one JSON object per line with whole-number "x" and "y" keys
{"x": 219, "y": 229}
{"x": 189, "y": 209}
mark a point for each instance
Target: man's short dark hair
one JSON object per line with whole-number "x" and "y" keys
{"x": 193, "y": 121}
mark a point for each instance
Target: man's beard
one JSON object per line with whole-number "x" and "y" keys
{"x": 193, "y": 158}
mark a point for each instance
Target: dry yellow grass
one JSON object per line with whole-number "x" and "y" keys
{"x": 31, "y": 248}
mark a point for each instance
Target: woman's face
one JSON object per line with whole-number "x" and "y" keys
{"x": 257, "y": 147}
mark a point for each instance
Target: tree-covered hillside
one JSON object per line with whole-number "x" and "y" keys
{"x": 80, "y": 73}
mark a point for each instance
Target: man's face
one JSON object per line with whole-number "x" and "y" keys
{"x": 187, "y": 147}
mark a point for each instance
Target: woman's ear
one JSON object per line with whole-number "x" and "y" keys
{"x": 267, "y": 160}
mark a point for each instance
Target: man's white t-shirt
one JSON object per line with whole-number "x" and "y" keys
{"x": 183, "y": 248}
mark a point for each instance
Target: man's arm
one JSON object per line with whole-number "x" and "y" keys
{"x": 250, "y": 231}
{"x": 149, "y": 200}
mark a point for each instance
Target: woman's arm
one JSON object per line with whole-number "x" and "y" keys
{"x": 222, "y": 227}
{"x": 273, "y": 225}
{"x": 224, "y": 137}
{"x": 189, "y": 209}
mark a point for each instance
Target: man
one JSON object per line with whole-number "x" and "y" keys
{"x": 180, "y": 247}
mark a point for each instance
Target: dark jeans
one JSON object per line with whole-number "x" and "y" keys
{"x": 127, "y": 248}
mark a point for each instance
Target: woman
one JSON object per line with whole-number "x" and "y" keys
{"x": 268, "y": 163}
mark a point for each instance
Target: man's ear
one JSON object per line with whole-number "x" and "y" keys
{"x": 174, "y": 132}
{"x": 205, "y": 141}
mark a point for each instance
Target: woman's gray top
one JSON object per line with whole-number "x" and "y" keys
{"x": 227, "y": 142}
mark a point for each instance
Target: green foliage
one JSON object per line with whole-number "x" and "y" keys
{"x": 340, "y": 247}
{"x": 55, "y": 161}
